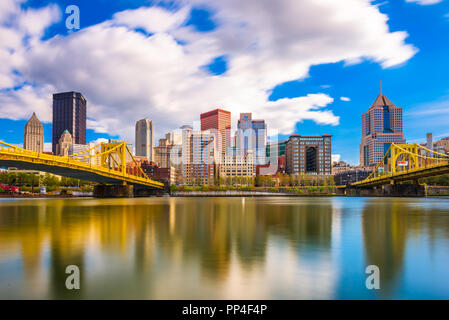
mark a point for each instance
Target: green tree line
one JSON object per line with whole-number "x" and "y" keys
{"x": 21, "y": 179}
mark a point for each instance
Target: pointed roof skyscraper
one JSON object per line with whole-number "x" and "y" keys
{"x": 381, "y": 101}
{"x": 33, "y": 138}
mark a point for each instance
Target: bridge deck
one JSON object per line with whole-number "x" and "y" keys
{"x": 409, "y": 175}
{"x": 64, "y": 166}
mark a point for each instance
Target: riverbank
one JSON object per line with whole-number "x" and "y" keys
{"x": 43, "y": 196}
{"x": 239, "y": 194}
{"x": 249, "y": 191}
{"x": 431, "y": 191}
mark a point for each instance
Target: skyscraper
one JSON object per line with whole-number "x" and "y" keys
{"x": 218, "y": 120}
{"x": 381, "y": 126}
{"x": 69, "y": 113}
{"x": 251, "y": 135}
{"x": 203, "y": 158}
{"x": 33, "y": 138}
{"x": 145, "y": 139}
{"x": 309, "y": 154}
{"x": 64, "y": 143}
{"x": 163, "y": 152}
{"x": 186, "y": 132}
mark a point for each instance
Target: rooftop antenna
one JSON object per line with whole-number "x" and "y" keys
{"x": 380, "y": 86}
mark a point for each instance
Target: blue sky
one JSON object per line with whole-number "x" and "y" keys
{"x": 188, "y": 57}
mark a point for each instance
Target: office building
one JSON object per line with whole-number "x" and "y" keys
{"x": 69, "y": 113}
{"x": 218, "y": 122}
{"x": 381, "y": 126}
{"x": 163, "y": 152}
{"x": 94, "y": 160}
{"x": 64, "y": 142}
{"x": 79, "y": 149}
{"x": 145, "y": 139}
{"x": 439, "y": 147}
{"x": 442, "y": 146}
{"x": 350, "y": 176}
{"x": 200, "y": 167}
{"x": 251, "y": 135}
{"x": 339, "y": 167}
{"x": 237, "y": 165}
{"x": 33, "y": 138}
{"x": 186, "y": 132}
{"x": 86, "y": 153}
{"x": 309, "y": 154}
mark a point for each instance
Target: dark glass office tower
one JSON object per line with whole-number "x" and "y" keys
{"x": 69, "y": 113}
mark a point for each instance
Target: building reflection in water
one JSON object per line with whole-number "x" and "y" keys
{"x": 163, "y": 248}
{"x": 388, "y": 226}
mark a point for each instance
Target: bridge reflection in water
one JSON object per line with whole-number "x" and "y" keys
{"x": 213, "y": 248}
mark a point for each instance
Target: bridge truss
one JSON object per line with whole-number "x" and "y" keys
{"x": 105, "y": 163}
{"x": 406, "y": 162}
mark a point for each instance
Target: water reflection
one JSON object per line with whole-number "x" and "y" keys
{"x": 214, "y": 248}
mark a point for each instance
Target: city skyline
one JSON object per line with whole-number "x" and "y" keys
{"x": 327, "y": 96}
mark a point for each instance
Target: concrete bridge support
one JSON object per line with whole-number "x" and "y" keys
{"x": 148, "y": 192}
{"x": 113, "y": 191}
{"x": 390, "y": 190}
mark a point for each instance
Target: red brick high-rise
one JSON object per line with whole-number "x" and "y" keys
{"x": 219, "y": 120}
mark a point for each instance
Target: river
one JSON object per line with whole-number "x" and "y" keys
{"x": 225, "y": 248}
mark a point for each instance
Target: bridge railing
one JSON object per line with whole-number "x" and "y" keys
{"x": 120, "y": 150}
{"x": 416, "y": 162}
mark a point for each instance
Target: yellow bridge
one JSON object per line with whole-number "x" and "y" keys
{"x": 105, "y": 163}
{"x": 406, "y": 162}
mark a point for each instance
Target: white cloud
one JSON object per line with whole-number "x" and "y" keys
{"x": 424, "y": 2}
{"x": 21, "y": 104}
{"x": 48, "y": 147}
{"x": 336, "y": 157}
{"x": 99, "y": 140}
{"x": 152, "y": 19}
{"x": 126, "y": 75}
{"x": 17, "y": 27}
{"x": 34, "y": 22}
{"x": 346, "y": 99}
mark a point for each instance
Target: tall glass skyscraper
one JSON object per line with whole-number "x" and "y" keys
{"x": 381, "y": 126}
{"x": 69, "y": 113}
{"x": 145, "y": 139}
{"x": 251, "y": 135}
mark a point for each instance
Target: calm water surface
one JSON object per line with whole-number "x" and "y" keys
{"x": 225, "y": 248}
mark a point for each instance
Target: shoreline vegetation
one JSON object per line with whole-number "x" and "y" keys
{"x": 226, "y": 190}
{"x": 278, "y": 185}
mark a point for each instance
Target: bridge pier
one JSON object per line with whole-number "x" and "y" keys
{"x": 113, "y": 191}
{"x": 404, "y": 190}
{"x": 148, "y": 192}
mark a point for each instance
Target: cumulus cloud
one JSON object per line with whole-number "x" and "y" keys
{"x": 152, "y": 19}
{"x": 424, "y": 2}
{"x": 336, "y": 157}
{"x": 20, "y": 104}
{"x": 127, "y": 75}
{"x": 346, "y": 99}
